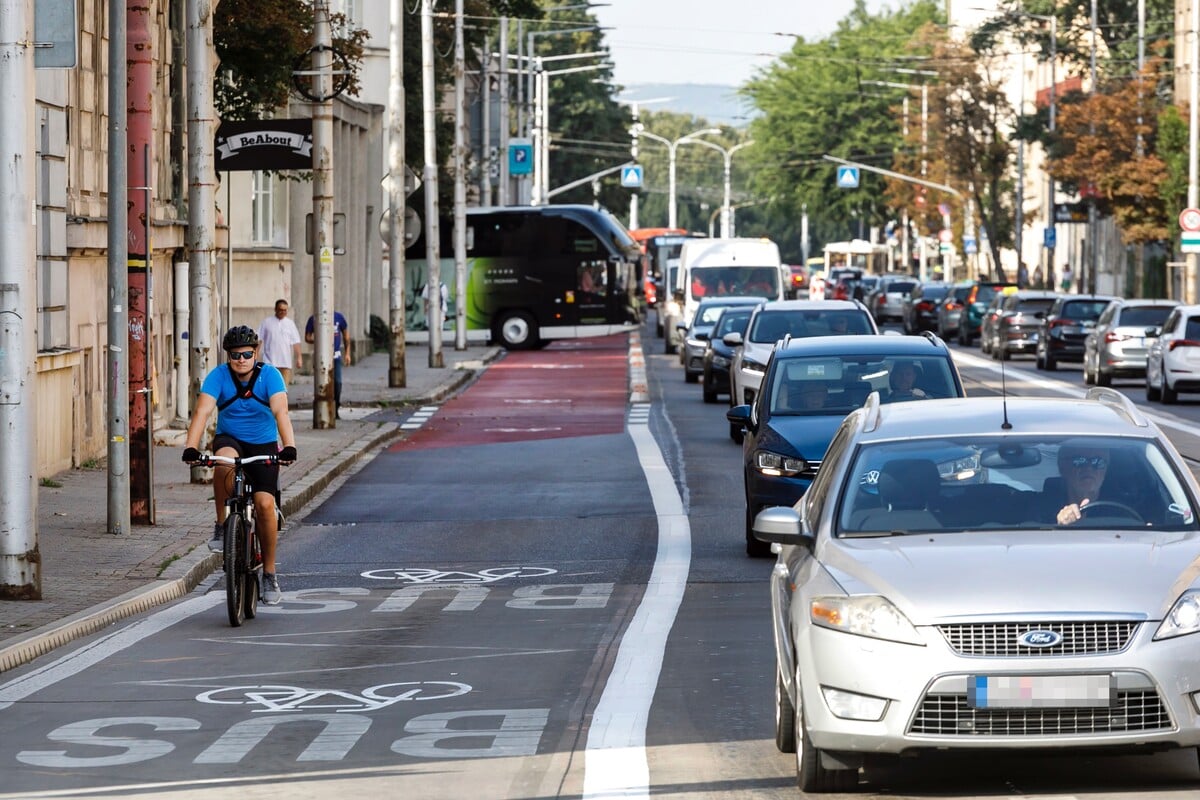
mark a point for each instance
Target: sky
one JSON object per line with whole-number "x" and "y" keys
{"x": 699, "y": 41}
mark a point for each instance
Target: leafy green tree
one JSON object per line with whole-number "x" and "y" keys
{"x": 823, "y": 97}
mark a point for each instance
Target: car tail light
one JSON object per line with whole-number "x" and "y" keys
{"x": 925, "y": 305}
{"x": 1183, "y": 343}
{"x": 953, "y": 306}
{"x": 1060, "y": 323}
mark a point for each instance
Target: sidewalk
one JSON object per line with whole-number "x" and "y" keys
{"x": 91, "y": 578}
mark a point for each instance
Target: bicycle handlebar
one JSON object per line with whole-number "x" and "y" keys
{"x": 209, "y": 460}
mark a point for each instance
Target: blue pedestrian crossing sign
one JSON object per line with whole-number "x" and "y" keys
{"x": 631, "y": 176}
{"x": 847, "y": 177}
{"x": 520, "y": 157}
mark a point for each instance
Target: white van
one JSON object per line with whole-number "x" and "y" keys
{"x": 723, "y": 268}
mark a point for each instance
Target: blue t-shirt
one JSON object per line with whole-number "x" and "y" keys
{"x": 247, "y": 419}
{"x": 339, "y": 327}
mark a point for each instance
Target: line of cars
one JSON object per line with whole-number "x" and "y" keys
{"x": 961, "y": 574}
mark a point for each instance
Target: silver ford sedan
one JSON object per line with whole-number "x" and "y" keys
{"x": 987, "y": 574}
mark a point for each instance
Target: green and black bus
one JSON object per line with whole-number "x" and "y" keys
{"x": 534, "y": 273}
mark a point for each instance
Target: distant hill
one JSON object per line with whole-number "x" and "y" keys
{"x": 715, "y": 103}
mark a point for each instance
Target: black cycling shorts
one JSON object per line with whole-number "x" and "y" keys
{"x": 263, "y": 477}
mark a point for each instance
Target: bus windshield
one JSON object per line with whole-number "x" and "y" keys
{"x": 871, "y": 258}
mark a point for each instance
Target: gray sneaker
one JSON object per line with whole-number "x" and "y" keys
{"x": 217, "y": 543}
{"x": 271, "y": 593}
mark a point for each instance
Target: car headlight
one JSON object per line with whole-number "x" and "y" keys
{"x": 720, "y": 362}
{"x": 697, "y": 343}
{"x": 1182, "y": 619}
{"x": 870, "y": 615}
{"x": 778, "y": 465}
{"x": 753, "y": 366}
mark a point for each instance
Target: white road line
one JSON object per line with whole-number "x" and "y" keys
{"x": 1015, "y": 373}
{"x": 615, "y": 763}
{"x": 95, "y": 652}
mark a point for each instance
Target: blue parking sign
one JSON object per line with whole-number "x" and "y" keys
{"x": 520, "y": 157}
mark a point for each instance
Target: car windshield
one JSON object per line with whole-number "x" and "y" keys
{"x": 1144, "y": 316}
{"x": 1034, "y": 305}
{"x": 819, "y": 385}
{"x": 989, "y": 483}
{"x": 1084, "y": 309}
{"x": 771, "y": 326}
{"x": 932, "y": 292}
{"x": 708, "y": 314}
{"x": 732, "y": 322}
{"x": 900, "y": 287}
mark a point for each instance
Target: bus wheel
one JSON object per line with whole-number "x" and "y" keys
{"x": 517, "y": 331}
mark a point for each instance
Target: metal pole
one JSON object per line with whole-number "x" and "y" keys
{"x": 118, "y": 274}
{"x": 1019, "y": 215}
{"x": 202, "y": 203}
{"x": 324, "y": 415}
{"x": 485, "y": 138}
{"x": 633, "y": 156}
{"x": 397, "y": 197}
{"x": 545, "y": 95}
{"x": 1190, "y": 288}
{"x": 1089, "y": 285}
{"x": 20, "y": 562}
{"x": 460, "y": 185}
{"x": 671, "y": 202}
{"x": 1050, "y": 222}
{"x": 433, "y": 281}
{"x": 503, "y": 187}
{"x": 725, "y": 204}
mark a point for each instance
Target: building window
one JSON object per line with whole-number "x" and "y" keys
{"x": 353, "y": 11}
{"x": 263, "y": 208}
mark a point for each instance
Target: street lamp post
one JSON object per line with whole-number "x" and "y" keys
{"x": 672, "y": 216}
{"x": 727, "y": 154}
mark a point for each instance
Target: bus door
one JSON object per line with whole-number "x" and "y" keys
{"x": 588, "y": 283}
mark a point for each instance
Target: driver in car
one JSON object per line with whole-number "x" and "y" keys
{"x": 1083, "y": 469}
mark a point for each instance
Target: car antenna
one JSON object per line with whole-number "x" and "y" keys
{"x": 1006, "y": 425}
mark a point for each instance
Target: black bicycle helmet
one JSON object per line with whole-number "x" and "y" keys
{"x": 239, "y": 336}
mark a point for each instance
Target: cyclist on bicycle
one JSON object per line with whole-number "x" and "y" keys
{"x": 252, "y": 419}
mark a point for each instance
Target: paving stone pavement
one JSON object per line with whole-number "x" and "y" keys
{"x": 91, "y": 578}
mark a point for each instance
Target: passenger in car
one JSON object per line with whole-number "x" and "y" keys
{"x": 901, "y": 383}
{"x": 807, "y": 395}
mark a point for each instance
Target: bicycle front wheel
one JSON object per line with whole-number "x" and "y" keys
{"x": 235, "y": 567}
{"x": 253, "y": 575}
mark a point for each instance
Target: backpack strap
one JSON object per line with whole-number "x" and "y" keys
{"x": 246, "y": 392}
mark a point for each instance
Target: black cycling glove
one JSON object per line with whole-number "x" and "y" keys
{"x": 287, "y": 455}
{"x": 190, "y": 455}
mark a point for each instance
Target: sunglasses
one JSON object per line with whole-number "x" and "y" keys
{"x": 1096, "y": 462}
{"x": 244, "y": 355}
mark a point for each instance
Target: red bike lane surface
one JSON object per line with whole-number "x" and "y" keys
{"x": 576, "y": 387}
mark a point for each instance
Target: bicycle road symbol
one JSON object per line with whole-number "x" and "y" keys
{"x": 296, "y": 698}
{"x": 490, "y": 575}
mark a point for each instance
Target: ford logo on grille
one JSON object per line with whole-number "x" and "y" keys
{"x": 1039, "y": 638}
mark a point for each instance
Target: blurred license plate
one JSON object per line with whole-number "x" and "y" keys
{"x": 1041, "y": 691}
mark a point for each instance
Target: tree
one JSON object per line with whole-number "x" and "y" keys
{"x": 821, "y": 98}
{"x": 259, "y": 43}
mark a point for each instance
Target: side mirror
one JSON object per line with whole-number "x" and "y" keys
{"x": 781, "y": 524}
{"x": 740, "y": 416}
{"x": 681, "y": 326}
{"x": 733, "y": 339}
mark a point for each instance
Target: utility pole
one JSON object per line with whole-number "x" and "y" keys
{"x": 202, "y": 206}
{"x": 1190, "y": 288}
{"x": 460, "y": 186}
{"x": 433, "y": 282}
{"x": 503, "y": 187}
{"x": 140, "y": 122}
{"x": 633, "y": 156}
{"x": 1089, "y": 273}
{"x": 20, "y": 562}
{"x": 118, "y": 276}
{"x": 397, "y": 199}
{"x": 323, "y": 302}
{"x": 485, "y": 138}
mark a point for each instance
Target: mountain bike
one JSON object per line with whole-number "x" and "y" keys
{"x": 243, "y": 558}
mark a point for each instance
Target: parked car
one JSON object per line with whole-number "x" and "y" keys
{"x": 1118, "y": 344}
{"x": 886, "y": 301}
{"x": 718, "y": 356}
{"x": 950, "y": 311}
{"x": 810, "y": 385}
{"x": 976, "y": 306}
{"x": 1173, "y": 363}
{"x": 1066, "y": 326}
{"x": 1015, "y": 327}
{"x": 1065, "y": 636}
{"x": 772, "y": 322}
{"x": 920, "y": 307}
{"x": 695, "y": 337}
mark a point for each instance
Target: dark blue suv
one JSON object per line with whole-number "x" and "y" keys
{"x": 810, "y": 385}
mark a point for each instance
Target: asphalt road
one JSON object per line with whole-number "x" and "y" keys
{"x": 543, "y": 593}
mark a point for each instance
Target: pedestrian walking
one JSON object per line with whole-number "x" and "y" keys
{"x": 281, "y": 342}
{"x": 341, "y": 354}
